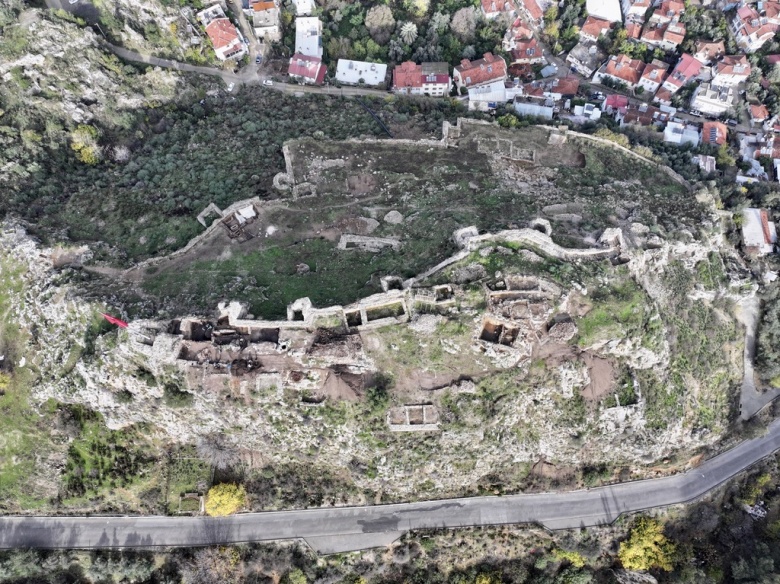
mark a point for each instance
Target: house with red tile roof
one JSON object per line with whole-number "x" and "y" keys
{"x": 635, "y": 10}
{"x": 708, "y": 51}
{"x": 495, "y": 8}
{"x": 566, "y": 86}
{"x": 653, "y": 75}
{"x": 663, "y": 96}
{"x": 642, "y": 115}
{"x": 751, "y": 29}
{"x": 714, "y": 133}
{"x": 431, "y": 79}
{"x": 593, "y": 28}
{"x": 666, "y": 35}
{"x": 668, "y": 11}
{"x": 223, "y": 35}
{"x": 483, "y": 79}
{"x": 516, "y": 33}
{"x": 532, "y": 9}
{"x": 758, "y": 113}
{"x": 306, "y": 68}
{"x": 615, "y": 102}
{"x": 634, "y": 30}
{"x": 621, "y": 69}
{"x": 685, "y": 71}
{"x": 527, "y": 52}
{"x": 730, "y": 70}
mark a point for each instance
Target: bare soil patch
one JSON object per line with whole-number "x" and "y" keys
{"x": 602, "y": 377}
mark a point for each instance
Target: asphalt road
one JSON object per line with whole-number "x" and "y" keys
{"x": 353, "y": 528}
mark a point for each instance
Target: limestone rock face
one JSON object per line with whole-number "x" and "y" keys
{"x": 394, "y": 218}
{"x": 278, "y": 402}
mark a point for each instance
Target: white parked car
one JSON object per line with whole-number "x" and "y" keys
{"x": 231, "y": 86}
{"x": 267, "y": 82}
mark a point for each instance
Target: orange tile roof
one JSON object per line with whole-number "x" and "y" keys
{"x": 652, "y": 33}
{"x": 759, "y": 112}
{"x": 714, "y": 133}
{"x": 262, "y": 6}
{"x": 533, "y": 9}
{"x": 567, "y": 85}
{"x": 221, "y": 32}
{"x": 752, "y": 22}
{"x": 595, "y": 27}
{"x": 308, "y": 67}
{"x": 407, "y": 74}
{"x": 625, "y": 68}
{"x": 655, "y": 71}
{"x": 490, "y": 68}
{"x": 526, "y": 50}
{"x": 663, "y": 94}
{"x": 733, "y": 65}
{"x": 772, "y": 10}
{"x": 675, "y": 33}
{"x": 489, "y": 6}
{"x": 686, "y": 69}
{"x": 634, "y": 30}
{"x": 710, "y": 50}
{"x": 670, "y": 9}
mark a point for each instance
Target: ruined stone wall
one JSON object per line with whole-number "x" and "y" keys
{"x": 255, "y": 201}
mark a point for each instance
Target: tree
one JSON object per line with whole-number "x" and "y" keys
{"x": 647, "y": 547}
{"x": 464, "y": 24}
{"x": 488, "y": 578}
{"x": 724, "y": 157}
{"x": 417, "y": 7}
{"x": 774, "y": 74}
{"x": 396, "y": 51}
{"x": 217, "y": 451}
{"x": 225, "y": 499}
{"x": 296, "y": 576}
{"x": 84, "y": 142}
{"x": 380, "y": 23}
{"x": 440, "y": 22}
{"x": 409, "y": 32}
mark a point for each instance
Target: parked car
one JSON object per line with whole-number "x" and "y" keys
{"x": 267, "y": 82}
{"x": 732, "y": 122}
{"x": 258, "y": 59}
{"x": 231, "y": 86}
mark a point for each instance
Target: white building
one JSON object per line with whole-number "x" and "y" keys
{"x": 606, "y": 9}
{"x": 526, "y": 108}
{"x": 678, "y": 133}
{"x": 303, "y": 7}
{"x": 758, "y": 232}
{"x": 711, "y": 100}
{"x": 354, "y": 72}
{"x": 484, "y": 79}
{"x": 308, "y": 36}
{"x": 585, "y": 58}
{"x": 588, "y": 111}
{"x": 265, "y": 21}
